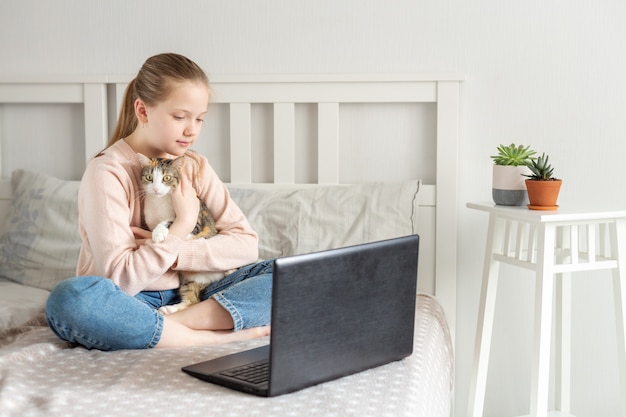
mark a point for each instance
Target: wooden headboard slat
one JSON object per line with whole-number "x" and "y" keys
{"x": 240, "y": 143}
{"x": 96, "y": 119}
{"x": 284, "y": 143}
{"x": 328, "y": 143}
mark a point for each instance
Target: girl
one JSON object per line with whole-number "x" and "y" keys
{"x": 124, "y": 276}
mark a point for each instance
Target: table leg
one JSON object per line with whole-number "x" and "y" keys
{"x": 563, "y": 349}
{"x": 544, "y": 291}
{"x": 484, "y": 325}
{"x": 619, "y": 291}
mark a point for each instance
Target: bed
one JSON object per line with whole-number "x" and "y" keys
{"x": 292, "y": 150}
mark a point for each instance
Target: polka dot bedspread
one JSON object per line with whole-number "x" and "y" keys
{"x": 42, "y": 376}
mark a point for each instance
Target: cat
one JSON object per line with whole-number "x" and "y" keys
{"x": 159, "y": 177}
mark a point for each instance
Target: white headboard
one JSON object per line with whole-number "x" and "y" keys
{"x": 323, "y": 96}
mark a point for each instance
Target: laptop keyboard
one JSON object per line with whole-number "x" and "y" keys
{"x": 253, "y": 373}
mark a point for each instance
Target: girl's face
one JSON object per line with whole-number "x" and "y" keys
{"x": 174, "y": 124}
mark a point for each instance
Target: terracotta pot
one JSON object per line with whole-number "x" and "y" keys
{"x": 508, "y": 188}
{"x": 543, "y": 195}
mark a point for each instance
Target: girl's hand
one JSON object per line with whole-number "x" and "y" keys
{"x": 141, "y": 235}
{"x": 186, "y": 206}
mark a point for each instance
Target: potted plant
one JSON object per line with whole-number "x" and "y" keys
{"x": 510, "y": 166}
{"x": 543, "y": 188}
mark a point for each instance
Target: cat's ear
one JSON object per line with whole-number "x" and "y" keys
{"x": 178, "y": 162}
{"x": 144, "y": 160}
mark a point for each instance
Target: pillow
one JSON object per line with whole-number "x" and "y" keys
{"x": 305, "y": 220}
{"x": 40, "y": 241}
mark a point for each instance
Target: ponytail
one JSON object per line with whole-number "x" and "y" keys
{"x": 126, "y": 122}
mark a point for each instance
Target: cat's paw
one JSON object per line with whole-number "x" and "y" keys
{"x": 172, "y": 308}
{"x": 159, "y": 234}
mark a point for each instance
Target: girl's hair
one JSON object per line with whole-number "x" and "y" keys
{"x": 153, "y": 84}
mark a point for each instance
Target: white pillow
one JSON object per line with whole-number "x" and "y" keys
{"x": 40, "y": 241}
{"x": 323, "y": 217}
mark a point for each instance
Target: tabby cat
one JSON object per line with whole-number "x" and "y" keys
{"x": 159, "y": 177}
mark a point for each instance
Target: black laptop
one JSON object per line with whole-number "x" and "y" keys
{"x": 334, "y": 313}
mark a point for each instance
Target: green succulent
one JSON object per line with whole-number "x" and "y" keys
{"x": 513, "y": 155}
{"x": 540, "y": 169}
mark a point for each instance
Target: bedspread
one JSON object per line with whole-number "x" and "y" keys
{"x": 42, "y": 376}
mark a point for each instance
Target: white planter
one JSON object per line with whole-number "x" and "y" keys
{"x": 508, "y": 185}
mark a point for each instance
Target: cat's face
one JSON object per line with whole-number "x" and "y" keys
{"x": 160, "y": 176}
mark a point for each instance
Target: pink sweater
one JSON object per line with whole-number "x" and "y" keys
{"x": 109, "y": 203}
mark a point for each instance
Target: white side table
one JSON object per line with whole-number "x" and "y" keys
{"x": 551, "y": 243}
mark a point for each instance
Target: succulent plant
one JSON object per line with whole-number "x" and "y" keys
{"x": 514, "y": 155}
{"x": 540, "y": 169}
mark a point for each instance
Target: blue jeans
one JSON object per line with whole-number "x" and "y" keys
{"x": 96, "y": 313}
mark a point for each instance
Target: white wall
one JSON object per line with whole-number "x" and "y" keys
{"x": 548, "y": 74}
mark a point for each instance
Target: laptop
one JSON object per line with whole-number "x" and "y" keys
{"x": 334, "y": 313}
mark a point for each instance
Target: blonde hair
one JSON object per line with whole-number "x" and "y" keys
{"x": 153, "y": 84}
